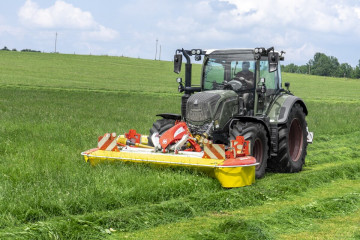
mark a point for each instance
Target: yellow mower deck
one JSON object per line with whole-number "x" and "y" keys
{"x": 229, "y": 176}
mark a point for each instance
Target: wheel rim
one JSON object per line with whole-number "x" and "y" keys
{"x": 258, "y": 152}
{"x": 295, "y": 140}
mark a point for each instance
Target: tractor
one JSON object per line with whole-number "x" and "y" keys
{"x": 241, "y": 94}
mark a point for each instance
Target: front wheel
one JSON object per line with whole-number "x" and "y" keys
{"x": 292, "y": 143}
{"x": 259, "y": 149}
{"x": 160, "y": 126}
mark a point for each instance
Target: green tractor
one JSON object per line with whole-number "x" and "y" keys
{"x": 241, "y": 94}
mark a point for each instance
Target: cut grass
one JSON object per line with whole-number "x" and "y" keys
{"x": 339, "y": 227}
{"x": 52, "y": 107}
{"x": 276, "y": 219}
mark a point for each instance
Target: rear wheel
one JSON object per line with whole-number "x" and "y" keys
{"x": 160, "y": 126}
{"x": 256, "y": 133}
{"x": 292, "y": 143}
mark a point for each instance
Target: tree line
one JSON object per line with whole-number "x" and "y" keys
{"x": 14, "y": 50}
{"x": 323, "y": 65}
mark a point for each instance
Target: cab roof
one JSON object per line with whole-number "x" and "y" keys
{"x": 230, "y": 51}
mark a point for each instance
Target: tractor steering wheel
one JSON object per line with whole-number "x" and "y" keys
{"x": 217, "y": 86}
{"x": 242, "y": 81}
{"x": 233, "y": 85}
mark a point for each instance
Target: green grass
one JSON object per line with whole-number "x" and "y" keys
{"x": 53, "y": 106}
{"x": 119, "y": 74}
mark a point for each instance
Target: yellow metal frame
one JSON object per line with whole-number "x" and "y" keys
{"x": 228, "y": 176}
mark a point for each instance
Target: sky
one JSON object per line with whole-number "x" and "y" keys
{"x": 138, "y": 28}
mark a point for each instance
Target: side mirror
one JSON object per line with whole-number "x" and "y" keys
{"x": 177, "y": 63}
{"x": 287, "y": 85}
{"x": 273, "y": 59}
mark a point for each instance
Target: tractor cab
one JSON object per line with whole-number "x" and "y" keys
{"x": 250, "y": 75}
{"x": 254, "y": 74}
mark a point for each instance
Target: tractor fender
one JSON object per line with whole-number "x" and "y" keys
{"x": 176, "y": 117}
{"x": 263, "y": 121}
{"x": 287, "y": 106}
{"x": 281, "y": 107}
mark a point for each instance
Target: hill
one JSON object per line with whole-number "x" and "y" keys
{"x": 53, "y": 106}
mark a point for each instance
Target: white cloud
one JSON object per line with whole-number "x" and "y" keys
{"x": 60, "y": 15}
{"x": 301, "y": 27}
{"x": 318, "y": 15}
{"x": 64, "y": 16}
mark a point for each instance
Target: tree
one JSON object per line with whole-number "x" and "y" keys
{"x": 345, "y": 70}
{"x": 356, "y": 72}
{"x": 291, "y": 68}
{"x": 321, "y": 65}
{"x": 303, "y": 69}
{"x": 324, "y": 65}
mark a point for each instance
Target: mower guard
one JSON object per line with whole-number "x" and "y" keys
{"x": 231, "y": 173}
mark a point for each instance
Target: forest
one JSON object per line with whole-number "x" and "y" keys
{"x": 323, "y": 65}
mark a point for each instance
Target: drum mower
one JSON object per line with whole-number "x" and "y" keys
{"x": 232, "y": 165}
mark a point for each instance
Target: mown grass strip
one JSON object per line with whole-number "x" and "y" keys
{"x": 338, "y": 227}
{"x": 272, "y": 220}
{"x": 286, "y": 220}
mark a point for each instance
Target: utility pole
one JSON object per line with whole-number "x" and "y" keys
{"x": 55, "y": 40}
{"x": 160, "y": 53}
{"x": 156, "y": 48}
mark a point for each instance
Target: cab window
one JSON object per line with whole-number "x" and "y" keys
{"x": 214, "y": 73}
{"x": 271, "y": 79}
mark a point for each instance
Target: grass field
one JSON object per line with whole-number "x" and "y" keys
{"x": 53, "y": 106}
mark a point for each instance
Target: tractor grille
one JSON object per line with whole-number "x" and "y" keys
{"x": 199, "y": 129}
{"x": 199, "y": 107}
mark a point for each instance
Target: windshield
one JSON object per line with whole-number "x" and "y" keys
{"x": 220, "y": 69}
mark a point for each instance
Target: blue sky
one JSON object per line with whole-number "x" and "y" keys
{"x": 130, "y": 28}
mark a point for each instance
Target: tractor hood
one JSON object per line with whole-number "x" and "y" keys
{"x": 208, "y": 106}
